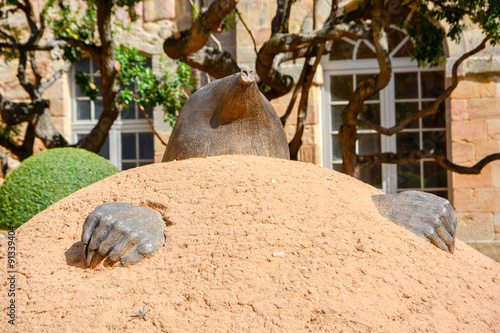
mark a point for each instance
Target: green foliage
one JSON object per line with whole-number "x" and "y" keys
{"x": 171, "y": 90}
{"x": 9, "y": 132}
{"x": 228, "y": 22}
{"x": 428, "y": 37}
{"x": 45, "y": 178}
{"x": 86, "y": 85}
{"x": 142, "y": 313}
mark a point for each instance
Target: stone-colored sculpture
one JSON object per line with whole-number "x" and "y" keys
{"x": 231, "y": 116}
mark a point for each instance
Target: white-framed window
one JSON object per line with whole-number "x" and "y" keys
{"x": 130, "y": 142}
{"x": 410, "y": 89}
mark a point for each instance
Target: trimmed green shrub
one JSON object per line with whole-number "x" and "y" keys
{"x": 46, "y": 178}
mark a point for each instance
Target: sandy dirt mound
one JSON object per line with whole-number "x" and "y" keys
{"x": 255, "y": 245}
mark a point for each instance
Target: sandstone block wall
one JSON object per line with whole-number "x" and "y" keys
{"x": 475, "y": 133}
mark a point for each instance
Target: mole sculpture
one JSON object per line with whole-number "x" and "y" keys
{"x": 231, "y": 116}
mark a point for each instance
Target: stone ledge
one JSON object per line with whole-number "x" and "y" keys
{"x": 488, "y": 248}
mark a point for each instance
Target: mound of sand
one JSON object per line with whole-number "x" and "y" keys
{"x": 257, "y": 245}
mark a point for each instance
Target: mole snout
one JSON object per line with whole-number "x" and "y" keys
{"x": 246, "y": 76}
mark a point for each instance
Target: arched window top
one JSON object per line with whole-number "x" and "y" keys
{"x": 400, "y": 46}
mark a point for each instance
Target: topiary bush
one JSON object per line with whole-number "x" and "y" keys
{"x": 46, "y": 178}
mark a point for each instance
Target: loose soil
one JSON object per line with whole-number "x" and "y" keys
{"x": 255, "y": 245}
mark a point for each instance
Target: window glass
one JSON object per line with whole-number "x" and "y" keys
{"x": 129, "y": 151}
{"x": 372, "y": 175}
{"x": 405, "y": 51}
{"x": 434, "y": 140}
{"x": 368, "y": 144}
{"x": 395, "y": 37}
{"x": 371, "y": 113}
{"x": 83, "y": 110}
{"x": 336, "y": 148}
{"x": 341, "y": 87}
{"x": 83, "y": 65}
{"x": 341, "y": 50}
{"x": 146, "y": 146}
{"x": 406, "y": 85}
{"x": 337, "y": 116}
{"x": 435, "y": 175}
{"x": 128, "y": 113}
{"x": 126, "y": 166}
{"x": 404, "y": 110}
{"x": 409, "y": 175}
{"x": 432, "y": 84}
{"x": 98, "y": 108}
{"x": 149, "y": 112}
{"x": 364, "y": 51}
{"x": 407, "y": 141}
{"x": 437, "y": 120}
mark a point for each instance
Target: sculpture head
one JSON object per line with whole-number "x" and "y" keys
{"x": 227, "y": 116}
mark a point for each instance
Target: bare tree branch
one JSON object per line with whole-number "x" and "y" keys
{"x": 93, "y": 50}
{"x": 34, "y": 67}
{"x": 348, "y": 131}
{"x": 415, "y": 156}
{"x": 9, "y": 37}
{"x": 182, "y": 44}
{"x": 212, "y": 61}
{"x": 47, "y": 83}
{"x": 433, "y": 109}
{"x": 280, "y": 20}
{"x": 267, "y": 66}
{"x": 246, "y": 27}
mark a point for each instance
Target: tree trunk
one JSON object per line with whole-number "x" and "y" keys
{"x": 110, "y": 89}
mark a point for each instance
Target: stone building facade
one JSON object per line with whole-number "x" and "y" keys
{"x": 471, "y": 126}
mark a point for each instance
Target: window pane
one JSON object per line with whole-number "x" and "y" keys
{"x": 341, "y": 87}
{"x": 83, "y": 110}
{"x": 407, "y": 142}
{"x": 337, "y": 167}
{"x": 337, "y": 116}
{"x": 145, "y": 163}
{"x": 146, "y": 146}
{"x": 403, "y": 110}
{"x": 409, "y": 175}
{"x": 97, "y": 82}
{"x": 394, "y": 37}
{"x": 405, "y": 51}
{"x": 362, "y": 77}
{"x": 98, "y": 108}
{"x": 126, "y": 166}
{"x": 129, "y": 113}
{"x": 95, "y": 68}
{"x": 406, "y": 85}
{"x": 78, "y": 91}
{"x": 149, "y": 112}
{"x": 148, "y": 63}
{"x": 437, "y": 120}
{"x": 442, "y": 194}
{"x": 128, "y": 146}
{"x": 435, "y": 175}
{"x": 83, "y": 65}
{"x": 371, "y": 113}
{"x": 336, "y": 148}
{"x": 341, "y": 50}
{"x": 368, "y": 144}
{"x": 364, "y": 51}
{"x": 105, "y": 149}
{"x": 372, "y": 175}
{"x": 435, "y": 140}
{"x": 432, "y": 84}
